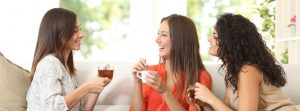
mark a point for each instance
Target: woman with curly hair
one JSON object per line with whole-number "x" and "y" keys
{"x": 252, "y": 75}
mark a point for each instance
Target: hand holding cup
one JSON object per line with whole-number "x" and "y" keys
{"x": 140, "y": 66}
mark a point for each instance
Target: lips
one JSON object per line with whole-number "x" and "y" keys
{"x": 161, "y": 48}
{"x": 78, "y": 42}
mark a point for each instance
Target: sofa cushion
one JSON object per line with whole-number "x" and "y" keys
{"x": 292, "y": 88}
{"x": 14, "y": 83}
{"x": 111, "y": 108}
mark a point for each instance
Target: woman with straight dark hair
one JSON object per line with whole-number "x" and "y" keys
{"x": 54, "y": 85}
{"x": 252, "y": 75}
{"x": 180, "y": 65}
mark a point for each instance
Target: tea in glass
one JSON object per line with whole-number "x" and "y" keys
{"x": 191, "y": 91}
{"x": 106, "y": 71}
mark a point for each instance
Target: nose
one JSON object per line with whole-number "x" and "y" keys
{"x": 81, "y": 34}
{"x": 209, "y": 39}
{"x": 157, "y": 40}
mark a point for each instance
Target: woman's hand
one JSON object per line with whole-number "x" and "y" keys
{"x": 202, "y": 93}
{"x": 141, "y": 65}
{"x": 155, "y": 81}
{"x": 97, "y": 84}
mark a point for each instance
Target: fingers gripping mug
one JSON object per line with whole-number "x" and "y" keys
{"x": 142, "y": 75}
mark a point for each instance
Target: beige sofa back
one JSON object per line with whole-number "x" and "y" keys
{"x": 119, "y": 91}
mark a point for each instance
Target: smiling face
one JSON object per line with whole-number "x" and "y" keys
{"x": 74, "y": 42}
{"x": 213, "y": 49}
{"x": 163, "y": 40}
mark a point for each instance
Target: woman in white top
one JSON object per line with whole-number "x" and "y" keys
{"x": 54, "y": 84}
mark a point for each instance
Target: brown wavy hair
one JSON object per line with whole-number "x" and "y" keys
{"x": 239, "y": 44}
{"x": 56, "y": 28}
{"x": 185, "y": 57}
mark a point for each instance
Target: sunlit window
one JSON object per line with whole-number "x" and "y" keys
{"x": 125, "y": 30}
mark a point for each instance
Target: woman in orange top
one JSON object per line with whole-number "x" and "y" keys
{"x": 180, "y": 65}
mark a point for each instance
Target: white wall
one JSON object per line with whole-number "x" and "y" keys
{"x": 145, "y": 17}
{"x": 20, "y": 20}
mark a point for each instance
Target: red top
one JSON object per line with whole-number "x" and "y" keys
{"x": 153, "y": 100}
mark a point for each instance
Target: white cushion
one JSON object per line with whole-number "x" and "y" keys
{"x": 292, "y": 88}
{"x": 111, "y": 108}
{"x": 120, "y": 90}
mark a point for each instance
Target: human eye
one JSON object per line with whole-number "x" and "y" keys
{"x": 75, "y": 29}
{"x": 215, "y": 35}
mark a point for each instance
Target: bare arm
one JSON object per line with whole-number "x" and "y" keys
{"x": 75, "y": 96}
{"x": 226, "y": 98}
{"x": 137, "y": 99}
{"x": 94, "y": 85}
{"x": 91, "y": 101}
{"x": 207, "y": 107}
{"x": 248, "y": 88}
{"x": 209, "y": 98}
{"x": 218, "y": 105}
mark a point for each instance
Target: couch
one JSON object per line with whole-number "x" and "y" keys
{"x": 117, "y": 95}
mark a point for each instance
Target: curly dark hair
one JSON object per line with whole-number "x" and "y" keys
{"x": 239, "y": 44}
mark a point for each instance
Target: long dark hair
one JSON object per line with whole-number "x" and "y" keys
{"x": 240, "y": 44}
{"x": 56, "y": 28}
{"x": 185, "y": 57}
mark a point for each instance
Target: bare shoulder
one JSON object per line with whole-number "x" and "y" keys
{"x": 250, "y": 71}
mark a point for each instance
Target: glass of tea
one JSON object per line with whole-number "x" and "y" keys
{"x": 191, "y": 91}
{"x": 106, "y": 71}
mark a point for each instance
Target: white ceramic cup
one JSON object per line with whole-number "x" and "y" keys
{"x": 142, "y": 75}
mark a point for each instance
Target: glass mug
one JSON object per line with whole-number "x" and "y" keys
{"x": 106, "y": 71}
{"x": 191, "y": 91}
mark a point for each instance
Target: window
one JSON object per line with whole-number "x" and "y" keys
{"x": 125, "y": 31}
{"x": 288, "y": 31}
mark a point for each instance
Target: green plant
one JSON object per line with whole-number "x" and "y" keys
{"x": 267, "y": 13}
{"x": 97, "y": 21}
{"x": 285, "y": 57}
